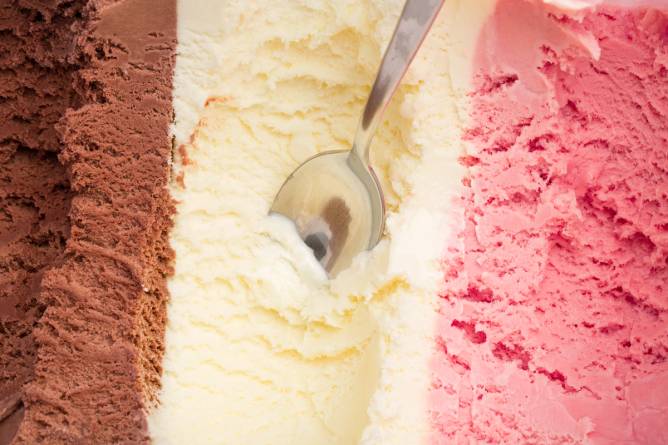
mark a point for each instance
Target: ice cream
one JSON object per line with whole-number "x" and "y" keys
{"x": 519, "y": 294}
{"x": 255, "y": 329}
{"x": 256, "y": 334}
{"x": 554, "y": 324}
{"x": 85, "y": 110}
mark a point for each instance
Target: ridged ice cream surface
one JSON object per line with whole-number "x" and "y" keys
{"x": 519, "y": 293}
{"x": 261, "y": 347}
{"x": 554, "y": 322}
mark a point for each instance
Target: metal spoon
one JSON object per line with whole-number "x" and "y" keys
{"x": 334, "y": 198}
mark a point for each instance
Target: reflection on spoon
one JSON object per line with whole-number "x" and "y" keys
{"x": 334, "y": 198}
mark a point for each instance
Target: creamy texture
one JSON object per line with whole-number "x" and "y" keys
{"x": 85, "y": 114}
{"x": 554, "y": 324}
{"x": 420, "y": 338}
{"x": 260, "y": 347}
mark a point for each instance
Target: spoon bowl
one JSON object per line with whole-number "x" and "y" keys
{"x": 337, "y": 206}
{"x": 334, "y": 198}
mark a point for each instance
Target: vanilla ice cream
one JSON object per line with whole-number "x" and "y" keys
{"x": 261, "y": 348}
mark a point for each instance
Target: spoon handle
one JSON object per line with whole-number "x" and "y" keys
{"x": 414, "y": 23}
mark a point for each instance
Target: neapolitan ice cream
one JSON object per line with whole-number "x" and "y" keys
{"x": 520, "y": 292}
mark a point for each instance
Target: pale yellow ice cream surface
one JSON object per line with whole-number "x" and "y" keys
{"x": 261, "y": 347}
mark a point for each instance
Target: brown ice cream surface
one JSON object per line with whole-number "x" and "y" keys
{"x": 85, "y": 109}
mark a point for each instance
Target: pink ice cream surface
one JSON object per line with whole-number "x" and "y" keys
{"x": 554, "y": 319}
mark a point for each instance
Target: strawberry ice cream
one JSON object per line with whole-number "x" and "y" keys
{"x": 554, "y": 322}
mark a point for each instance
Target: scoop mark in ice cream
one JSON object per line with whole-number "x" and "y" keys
{"x": 11, "y": 416}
